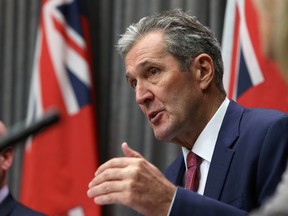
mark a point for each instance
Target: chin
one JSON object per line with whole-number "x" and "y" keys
{"x": 159, "y": 137}
{"x": 163, "y": 136}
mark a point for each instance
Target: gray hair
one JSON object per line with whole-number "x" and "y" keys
{"x": 185, "y": 38}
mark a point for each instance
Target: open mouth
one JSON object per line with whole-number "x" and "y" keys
{"x": 153, "y": 116}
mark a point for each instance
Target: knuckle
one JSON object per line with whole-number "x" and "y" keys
{"x": 129, "y": 198}
{"x": 133, "y": 187}
{"x": 106, "y": 189}
{"x": 110, "y": 163}
{"x": 135, "y": 173}
{"x": 141, "y": 162}
{"x": 106, "y": 174}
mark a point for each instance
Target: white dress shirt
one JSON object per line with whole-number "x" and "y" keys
{"x": 204, "y": 146}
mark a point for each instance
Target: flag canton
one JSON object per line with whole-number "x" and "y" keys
{"x": 244, "y": 79}
{"x": 81, "y": 91}
{"x": 63, "y": 21}
{"x": 69, "y": 11}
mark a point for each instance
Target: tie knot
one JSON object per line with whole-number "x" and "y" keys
{"x": 193, "y": 160}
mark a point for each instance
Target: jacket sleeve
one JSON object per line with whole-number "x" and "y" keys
{"x": 188, "y": 203}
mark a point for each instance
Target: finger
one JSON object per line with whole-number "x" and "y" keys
{"x": 128, "y": 152}
{"x": 111, "y": 174}
{"x": 112, "y": 163}
{"x": 119, "y": 162}
{"x": 112, "y": 198}
{"x": 106, "y": 188}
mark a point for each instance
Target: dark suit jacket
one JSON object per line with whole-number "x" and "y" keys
{"x": 249, "y": 158}
{"x": 10, "y": 207}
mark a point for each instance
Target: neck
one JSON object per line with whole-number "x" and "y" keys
{"x": 208, "y": 108}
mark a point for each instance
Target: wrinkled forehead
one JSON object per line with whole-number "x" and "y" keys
{"x": 148, "y": 38}
{"x": 152, "y": 43}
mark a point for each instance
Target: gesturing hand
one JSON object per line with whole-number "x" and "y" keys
{"x": 134, "y": 182}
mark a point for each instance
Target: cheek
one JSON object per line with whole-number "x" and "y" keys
{"x": 180, "y": 104}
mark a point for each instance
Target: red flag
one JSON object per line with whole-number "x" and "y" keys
{"x": 249, "y": 77}
{"x": 60, "y": 162}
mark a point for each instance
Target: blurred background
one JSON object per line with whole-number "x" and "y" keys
{"x": 117, "y": 118}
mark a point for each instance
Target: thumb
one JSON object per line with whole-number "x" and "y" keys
{"x": 128, "y": 152}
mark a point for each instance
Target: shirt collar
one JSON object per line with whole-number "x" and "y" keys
{"x": 4, "y": 191}
{"x": 205, "y": 143}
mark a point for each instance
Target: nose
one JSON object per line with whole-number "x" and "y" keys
{"x": 143, "y": 93}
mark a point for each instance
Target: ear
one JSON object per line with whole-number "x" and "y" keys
{"x": 6, "y": 157}
{"x": 203, "y": 64}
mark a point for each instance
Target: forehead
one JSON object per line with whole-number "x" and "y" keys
{"x": 147, "y": 48}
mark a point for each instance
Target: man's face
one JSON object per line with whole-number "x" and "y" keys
{"x": 168, "y": 97}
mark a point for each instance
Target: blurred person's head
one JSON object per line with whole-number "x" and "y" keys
{"x": 273, "y": 16}
{"x": 6, "y": 159}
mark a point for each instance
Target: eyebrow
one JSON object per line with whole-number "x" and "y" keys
{"x": 141, "y": 65}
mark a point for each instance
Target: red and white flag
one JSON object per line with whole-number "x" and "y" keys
{"x": 249, "y": 78}
{"x": 60, "y": 162}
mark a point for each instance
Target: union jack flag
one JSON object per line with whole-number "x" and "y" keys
{"x": 249, "y": 77}
{"x": 60, "y": 162}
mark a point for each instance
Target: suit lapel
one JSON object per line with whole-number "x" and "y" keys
{"x": 7, "y": 205}
{"x": 176, "y": 171}
{"x": 223, "y": 152}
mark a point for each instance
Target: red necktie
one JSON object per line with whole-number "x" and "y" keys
{"x": 192, "y": 177}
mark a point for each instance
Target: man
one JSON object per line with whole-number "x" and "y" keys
{"x": 8, "y": 205}
{"x": 174, "y": 65}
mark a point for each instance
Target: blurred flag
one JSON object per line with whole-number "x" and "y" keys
{"x": 249, "y": 78}
{"x": 60, "y": 162}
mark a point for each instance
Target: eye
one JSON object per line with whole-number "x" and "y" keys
{"x": 133, "y": 84}
{"x": 153, "y": 71}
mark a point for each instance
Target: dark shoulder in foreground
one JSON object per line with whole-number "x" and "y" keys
{"x": 24, "y": 211}
{"x": 11, "y": 207}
